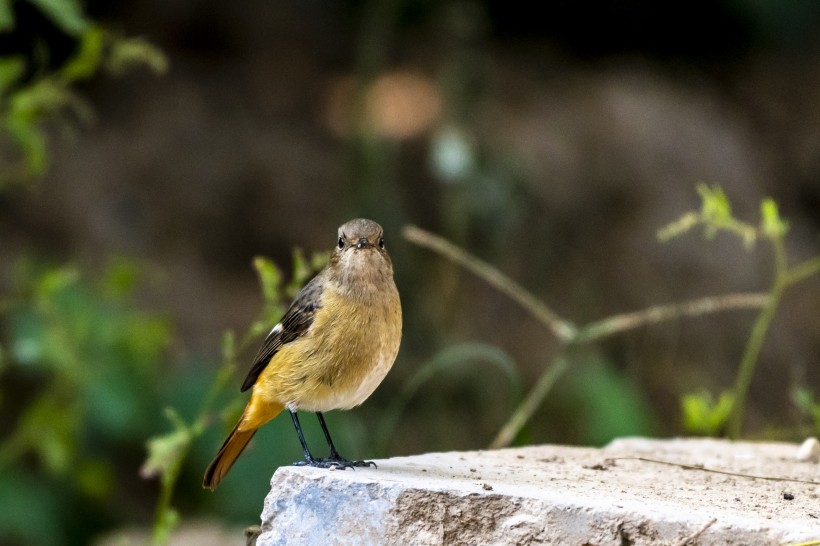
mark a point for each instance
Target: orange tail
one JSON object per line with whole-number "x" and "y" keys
{"x": 255, "y": 416}
{"x": 230, "y": 450}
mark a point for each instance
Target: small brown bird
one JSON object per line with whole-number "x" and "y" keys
{"x": 336, "y": 342}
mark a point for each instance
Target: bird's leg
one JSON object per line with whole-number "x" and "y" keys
{"x": 309, "y": 460}
{"x": 335, "y": 459}
{"x": 333, "y": 453}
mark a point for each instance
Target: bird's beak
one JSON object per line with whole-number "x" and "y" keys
{"x": 363, "y": 243}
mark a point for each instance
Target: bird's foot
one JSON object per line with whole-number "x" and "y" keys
{"x": 337, "y": 463}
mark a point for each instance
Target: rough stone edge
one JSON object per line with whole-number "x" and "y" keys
{"x": 385, "y": 515}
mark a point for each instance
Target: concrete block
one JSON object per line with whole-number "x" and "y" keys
{"x": 555, "y": 495}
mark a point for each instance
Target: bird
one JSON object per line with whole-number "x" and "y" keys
{"x": 334, "y": 345}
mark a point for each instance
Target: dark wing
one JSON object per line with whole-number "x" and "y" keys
{"x": 296, "y": 322}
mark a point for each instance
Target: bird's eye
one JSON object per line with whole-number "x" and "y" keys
{"x": 381, "y": 242}
{"x": 341, "y": 242}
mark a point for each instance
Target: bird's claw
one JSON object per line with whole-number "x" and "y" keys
{"x": 336, "y": 463}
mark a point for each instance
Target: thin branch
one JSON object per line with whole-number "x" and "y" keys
{"x": 697, "y": 533}
{"x": 804, "y": 270}
{"x": 532, "y": 402}
{"x": 714, "y": 471}
{"x": 748, "y": 362}
{"x": 566, "y": 331}
{"x": 659, "y": 313}
{"x": 562, "y": 329}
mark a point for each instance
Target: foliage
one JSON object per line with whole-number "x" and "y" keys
{"x": 702, "y": 414}
{"x": 80, "y": 364}
{"x": 29, "y": 104}
{"x": 805, "y": 402}
{"x": 715, "y": 215}
{"x": 86, "y": 364}
{"x": 86, "y": 367}
{"x": 66, "y": 14}
{"x": 168, "y": 451}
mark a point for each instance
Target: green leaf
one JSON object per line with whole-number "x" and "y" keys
{"x": 166, "y": 522}
{"x": 11, "y": 68}
{"x": 715, "y": 207}
{"x": 319, "y": 260}
{"x": 605, "y": 401}
{"x": 31, "y": 142}
{"x": 51, "y": 427}
{"x": 771, "y": 223}
{"x": 66, "y": 14}
{"x": 28, "y": 108}
{"x": 716, "y": 215}
{"x": 304, "y": 270}
{"x": 87, "y": 60}
{"x": 22, "y": 495}
{"x": 56, "y": 280}
{"x": 301, "y": 270}
{"x": 715, "y": 211}
{"x": 166, "y": 451}
{"x": 95, "y": 478}
{"x": 702, "y": 415}
{"x": 126, "y": 53}
{"x": 145, "y": 337}
{"x": 803, "y": 399}
{"x": 678, "y": 227}
{"x": 269, "y": 277}
{"x": 228, "y": 346}
{"x": 6, "y": 16}
{"x": 120, "y": 278}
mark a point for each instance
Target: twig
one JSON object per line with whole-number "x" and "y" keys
{"x": 567, "y": 332}
{"x": 659, "y": 313}
{"x": 562, "y": 329}
{"x": 714, "y": 471}
{"x": 748, "y": 362}
{"x": 696, "y": 534}
{"x": 804, "y": 270}
{"x": 531, "y": 403}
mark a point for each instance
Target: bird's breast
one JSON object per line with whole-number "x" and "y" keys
{"x": 345, "y": 355}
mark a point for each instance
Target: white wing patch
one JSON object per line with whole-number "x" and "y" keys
{"x": 276, "y": 329}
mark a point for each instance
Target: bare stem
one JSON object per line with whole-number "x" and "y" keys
{"x": 749, "y": 362}
{"x": 532, "y": 402}
{"x": 569, "y": 334}
{"x": 696, "y": 534}
{"x": 659, "y": 313}
{"x": 784, "y": 277}
{"x": 804, "y": 270}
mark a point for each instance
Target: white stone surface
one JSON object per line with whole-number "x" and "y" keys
{"x": 809, "y": 451}
{"x": 553, "y": 495}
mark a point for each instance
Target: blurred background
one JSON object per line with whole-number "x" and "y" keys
{"x": 552, "y": 142}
